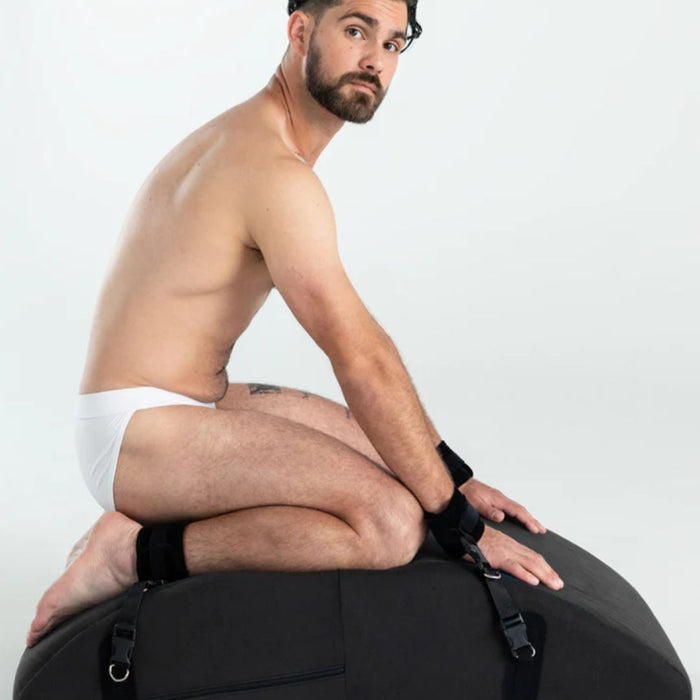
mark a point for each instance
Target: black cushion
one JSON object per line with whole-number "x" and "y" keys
{"x": 409, "y": 632}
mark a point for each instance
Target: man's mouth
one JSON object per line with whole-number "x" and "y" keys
{"x": 366, "y": 86}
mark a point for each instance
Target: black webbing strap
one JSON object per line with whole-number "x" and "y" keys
{"x": 511, "y": 621}
{"x": 523, "y": 673}
{"x": 522, "y": 679}
{"x": 117, "y": 676}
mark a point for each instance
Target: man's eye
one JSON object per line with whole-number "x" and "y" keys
{"x": 355, "y": 29}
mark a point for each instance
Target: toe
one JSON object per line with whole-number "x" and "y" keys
{"x": 37, "y": 628}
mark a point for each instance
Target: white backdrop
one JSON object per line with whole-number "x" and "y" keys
{"x": 521, "y": 216}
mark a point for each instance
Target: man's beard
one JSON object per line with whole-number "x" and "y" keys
{"x": 359, "y": 107}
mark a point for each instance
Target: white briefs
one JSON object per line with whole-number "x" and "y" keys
{"x": 100, "y": 421}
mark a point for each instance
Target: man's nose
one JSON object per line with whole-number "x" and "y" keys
{"x": 372, "y": 60}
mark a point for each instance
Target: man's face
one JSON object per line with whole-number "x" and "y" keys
{"x": 362, "y": 48}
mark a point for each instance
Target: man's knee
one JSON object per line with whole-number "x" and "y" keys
{"x": 401, "y": 532}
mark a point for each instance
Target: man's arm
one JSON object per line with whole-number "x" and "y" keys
{"x": 294, "y": 227}
{"x": 432, "y": 431}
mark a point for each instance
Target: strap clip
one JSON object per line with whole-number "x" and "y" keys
{"x": 469, "y": 544}
{"x": 513, "y": 626}
{"x": 124, "y": 631}
{"x": 123, "y": 641}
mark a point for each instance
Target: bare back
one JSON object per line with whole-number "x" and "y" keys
{"x": 186, "y": 278}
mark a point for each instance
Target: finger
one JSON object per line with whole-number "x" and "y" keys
{"x": 521, "y": 513}
{"x": 487, "y": 510}
{"x": 492, "y": 508}
{"x": 521, "y": 572}
{"x": 516, "y": 511}
{"x": 539, "y": 567}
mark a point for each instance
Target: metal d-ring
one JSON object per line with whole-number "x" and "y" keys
{"x": 532, "y": 656}
{"x": 117, "y": 680}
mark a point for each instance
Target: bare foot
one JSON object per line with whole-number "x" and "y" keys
{"x": 78, "y": 547}
{"x": 101, "y": 565}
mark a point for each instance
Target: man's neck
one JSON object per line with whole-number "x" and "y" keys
{"x": 309, "y": 127}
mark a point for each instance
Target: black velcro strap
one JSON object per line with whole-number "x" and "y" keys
{"x": 159, "y": 552}
{"x": 458, "y": 468}
{"x": 458, "y": 518}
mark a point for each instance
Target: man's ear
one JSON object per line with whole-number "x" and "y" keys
{"x": 299, "y": 30}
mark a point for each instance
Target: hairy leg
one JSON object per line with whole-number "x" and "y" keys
{"x": 309, "y": 409}
{"x": 191, "y": 462}
{"x": 264, "y": 492}
{"x": 280, "y": 538}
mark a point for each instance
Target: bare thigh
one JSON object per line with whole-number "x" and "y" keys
{"x": 315, "y": 411}
{"x": 189, "y": 462}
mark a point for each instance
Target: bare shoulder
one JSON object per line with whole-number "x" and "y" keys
{"x": 289, "y": 195}
{"x": 262, "y": 179}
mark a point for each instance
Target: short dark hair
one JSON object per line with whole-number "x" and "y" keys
{"x": 317, "y": 8}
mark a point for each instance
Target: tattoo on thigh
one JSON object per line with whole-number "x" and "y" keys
{"x": 347, "y": 410}
{"x": 305, "y": 394}
{"x": 264, "y": 389}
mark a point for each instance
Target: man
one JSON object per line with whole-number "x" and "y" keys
{"x": 254, "y": 476}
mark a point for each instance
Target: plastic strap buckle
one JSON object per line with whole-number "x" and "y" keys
{"x": 515, "y": 630}
{"x": 124, "y": 631}
{"x": 512, "y": 624}
{"x": 123, "y": 641}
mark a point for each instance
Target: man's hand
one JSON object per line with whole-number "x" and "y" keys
{"x": 492, "y": 504}
{"x": 505, "y": 553}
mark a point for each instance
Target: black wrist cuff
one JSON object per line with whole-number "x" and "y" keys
{"x": 459, "y": 519}
{"x": 459, "y": 469}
